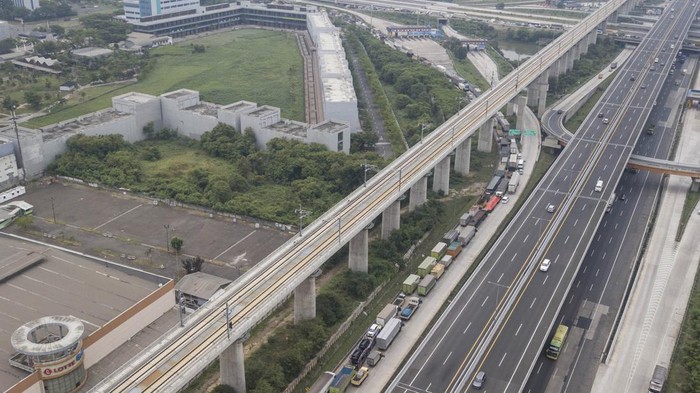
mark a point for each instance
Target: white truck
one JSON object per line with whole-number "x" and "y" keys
{"x": 513, "y": 182}
{"x": 387, "y": 335}
{"x": 388, "y": 312}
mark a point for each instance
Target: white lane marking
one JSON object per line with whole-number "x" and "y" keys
{"x": 533, "y": 302}
{"x": 545, "y": 279}
{"x": 596, "y": 272}
{"x": 540, "y": 367}
{"x": 526, "y": 236}
{"x": 121, "y": 215}
{"x": 566, "y": 240}
{"x": 501, "y": 362}
{"x": 584, "y": 269}
{"x": 576, "y": 222}
{"x": 499, "y": 278}
{"x": 484, "y": 302}
{"x": 235, "y": 244}
{"x": 591, "y": 289}
{"x": 468, "y": 326}
{"x": 514, "y": 255}
{"x": 445, "y": 362}
{"x": 518, "y": 331}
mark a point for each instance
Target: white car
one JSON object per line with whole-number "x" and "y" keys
{"x": 545, "y": 265}
{"x": 551, "y": 208}
{"x": 505, "y": 199}
{"x": 373, "y": 330}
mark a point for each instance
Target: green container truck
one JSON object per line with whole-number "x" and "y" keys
{"x": 410, "y": 284}
{"x": 439, "y": 250}
{"x": 426, "y": 266}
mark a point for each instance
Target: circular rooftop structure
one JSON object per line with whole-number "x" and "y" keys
{"x": 48, "y": 336}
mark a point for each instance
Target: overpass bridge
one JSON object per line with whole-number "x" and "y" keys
{"x": 216, "y": 328}
{"x": 664, "y": 166}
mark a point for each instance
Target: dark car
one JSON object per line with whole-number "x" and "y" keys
{"x": 632, "y": 78}
{"x": 600, "y": 115}
{"x": 623, "y": 197}
{"x": 560, "y": 111}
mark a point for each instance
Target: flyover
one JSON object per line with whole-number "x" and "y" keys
{"x": 499, "y": 321}
{"x": 553, "y": 124}
{"x": 171, "y": 362}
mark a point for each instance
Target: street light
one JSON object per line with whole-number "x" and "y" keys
{"x": 19, "y": 146}
{"x": 498, "y": 290}
{"x": 302, "y": 214}
{"x": 167, "y": 236}
{"x": 422, "y": 128}
{"x": 369, "y": 167}
{"x": 53, "y": 211}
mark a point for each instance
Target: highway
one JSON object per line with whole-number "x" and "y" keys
{"x": 500, "y": 320}
{"x": 177, "y": 357}
{"x": 593, "y": 307}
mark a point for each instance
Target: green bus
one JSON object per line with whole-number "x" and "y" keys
{"x": 557, "y": 342}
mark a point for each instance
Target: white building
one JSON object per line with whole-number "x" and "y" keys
{"x": 180, "y": 110}
{"x": 134, "y": 10}
{"x": 9, "y": 173}
{"x": 28, "y": 4}
{"x": 4, "y": 30}
{"x": 339, "y": 99}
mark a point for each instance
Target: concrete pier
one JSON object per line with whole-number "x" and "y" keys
{"x": 418, "y": 194}
{"x": 232, "y": 367}
{"x": 463, "y": 156}
{"x": 391, "y": 219}
{"x": 441, "y": 179}
{"x": 357, "y": 257}
{"x": 305, "y": 300}
{"x": 485, "y": 136}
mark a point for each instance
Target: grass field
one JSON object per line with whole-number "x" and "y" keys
{"x": 251, "y": 64}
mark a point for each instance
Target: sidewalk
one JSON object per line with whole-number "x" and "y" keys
{"x": 381, "y": 374}
{"x": 659, "y": 298}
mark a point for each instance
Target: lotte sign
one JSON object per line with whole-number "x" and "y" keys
{"x": 61, "y": 368}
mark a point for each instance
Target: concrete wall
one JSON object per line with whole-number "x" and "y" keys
{"x": 345, "y": 111}
{"x": 119, "y": 330}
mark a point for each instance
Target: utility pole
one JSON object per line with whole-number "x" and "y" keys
{"x": 302, "y": 214}
{"x": 167, "y": 236}
{"x": 20, "y": 160}
{"x": 53, "y": 210}
{"x": 369, "y": 167}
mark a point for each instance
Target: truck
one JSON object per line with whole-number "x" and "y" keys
{"x": 454, "y": 249}
{"x": 658, "y": 379}
{"x": 373, "y": 358}
{"x": 342, "y": 380}
{"x": 513, "y": 183}
{"x": 491, "y": 187}
{"x": 502, "y": 188}
{"x": 387, "y": 335}
{"x": 412, "y": 305}
{"x": 464, "y": 220}
{"x": 438, "y": 270}
{"x": 410, "y": 284}
{"x": 685, "y": 71}
{"x": 426, "y": 266}
{"x": 492, "y": 203}
{"x": 439, "y": 250}
{"x": 426, "y": 285}
{"x": 477, "y": 218}
{"x": 466, "y": 234}
{"x": 360, "y": 376}
{"x": 322, "y": 383}
{"x": 521, "y": 164}
{"x": 450, "y": 236}
{"x": 513, "y": 161}
{"x": 389, "y": 311}
{"x": 446, "y": 261}
{"x": 609, "y": 205}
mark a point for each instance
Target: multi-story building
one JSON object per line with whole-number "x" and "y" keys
{"x": 180, "y": 110}
{"x": 28, "y": 4}
{"x": 180, "y": 18}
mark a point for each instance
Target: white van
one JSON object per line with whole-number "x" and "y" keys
{"x": 599, "y": 186}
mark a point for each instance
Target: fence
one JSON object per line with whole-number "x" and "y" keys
{"x": 343, "y": 327}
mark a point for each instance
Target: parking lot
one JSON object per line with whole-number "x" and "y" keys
{"x": 132, "y": 230}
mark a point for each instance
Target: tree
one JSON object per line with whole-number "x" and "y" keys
{"x": 9, "y": 103}
{"x": 192, "y": 265}
{"x": 7, "y": 45}
{"x": 176, "y": 243}
{"x": 224, "y": 389}
{"x": 33, "y": 99}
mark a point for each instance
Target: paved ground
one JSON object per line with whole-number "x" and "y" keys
{"x": 429, "y": 49}
{"x": 487, "y": 68}
{"x": 110, "y": 225}
{"x": 412, "y": 331}
{"x": 659, "y": 299}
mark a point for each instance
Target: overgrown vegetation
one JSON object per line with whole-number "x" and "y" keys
{"x": 419, "y": 94}
{"x": 224, "y": 171}
{"x": 589, "y": 65}
{"x": 684, "y": 375}
{"x": 281, "y": 359}
{"x": 49, "y": 9}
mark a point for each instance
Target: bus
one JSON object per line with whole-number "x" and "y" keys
{"x": 557, "y": 342}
